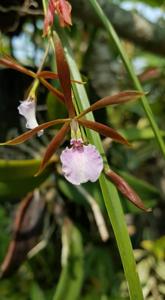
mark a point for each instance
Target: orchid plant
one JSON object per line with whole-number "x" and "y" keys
{"x": 81, "y": 162}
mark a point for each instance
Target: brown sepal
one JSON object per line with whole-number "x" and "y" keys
{"x": 13, "y": 64}
{"x": 64, "y": 75}
{"x": 119, "y": 98}
{"x": 104, "y": 130}
{"x": 150, "y": 73}
{"x": 27, "y": 135}
{"x": 126, "y": 190}
{"x": 9, "y": 62}
{"x": 53, "y": 145}
{"x": 52, "y": 75}
{"x": 52, "y": 89}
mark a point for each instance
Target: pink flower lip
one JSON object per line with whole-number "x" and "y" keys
{"x": 81, "y": 163}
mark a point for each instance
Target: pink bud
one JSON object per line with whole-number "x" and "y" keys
{"x": 60, "y": 7}
{"x": 64, "y": 8}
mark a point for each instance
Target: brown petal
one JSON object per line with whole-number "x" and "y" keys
{"x": 27, "y": 135}
{"x": 126, "y": 190}
{"x": 52, "y": 75}
{"x": 27, "y": 228}
{"x": 104, "y": 130}
{"x": 64, "y": 8}
{"x": 64, "y": 75}
{"x": 13, "y": 64}
{"x": 52, "y": 89}
{"x": 115, "y": 99}
{"x": 47, "y": 75}
{"x": 52, "y": 147}
{"x": 150, "y": 73}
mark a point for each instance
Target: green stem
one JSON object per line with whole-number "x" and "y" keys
{"x": 36, "y": 81}
{"x": 113, "y": 36}
{"x": 110, "y": 195}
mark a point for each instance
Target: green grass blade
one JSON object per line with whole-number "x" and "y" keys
{"x": 110, "y": 195}
{"x": 113, "y": 36}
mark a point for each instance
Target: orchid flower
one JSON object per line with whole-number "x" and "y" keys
{"x": 60, "y": 7}
{"x": 27, "y": 109}
{"x": 80, "y": 162}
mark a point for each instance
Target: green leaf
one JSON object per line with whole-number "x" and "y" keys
{"x": 55, "y": 109}
{"x": 155, "y": 3}
{"x": 157, "y": 247}
{"x": 17, "y": 177}
{"x": 18, "y": 169}
{"x": 71, "y": 278}
{"x": 36, "y": 293}
{"x": 135, "y": 134}
{"x": 109, "y": 192}
{"x": 72, "y": 192}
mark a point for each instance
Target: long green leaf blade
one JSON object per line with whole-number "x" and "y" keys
{"x": 110, "y": 195}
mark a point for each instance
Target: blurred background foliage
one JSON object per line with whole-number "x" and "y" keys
{"x": 64, "y": 247}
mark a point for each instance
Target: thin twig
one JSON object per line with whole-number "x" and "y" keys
{"x": 96, "y": 212}
{"x": 21, "y": 10}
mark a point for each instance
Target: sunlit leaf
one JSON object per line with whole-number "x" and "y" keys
{"x": 18, "y": 169}
{"x": 104, "y": 130}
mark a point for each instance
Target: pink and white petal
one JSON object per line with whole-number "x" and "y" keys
{"x": 81, "y": 165}
{"x": 28, "y": 110}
